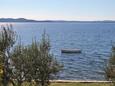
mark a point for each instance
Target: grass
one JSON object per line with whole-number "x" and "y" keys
{"x": 80, "y": 84}
{"x": 72, "y": 84}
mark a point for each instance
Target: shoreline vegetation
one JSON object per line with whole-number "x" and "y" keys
{"x": 25, "y": 63}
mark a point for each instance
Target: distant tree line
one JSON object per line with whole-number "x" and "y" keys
{"x": 31, "y": 63}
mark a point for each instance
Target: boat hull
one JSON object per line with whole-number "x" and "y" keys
{"x": 70, "y": 51}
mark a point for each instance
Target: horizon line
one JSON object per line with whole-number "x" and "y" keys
{"x": 53, "y": 19}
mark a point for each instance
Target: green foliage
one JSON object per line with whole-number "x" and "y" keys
{"x": 26, "y": 63}
{"x": 45, "y": 65}
{"x": 34, "y": 62}
{"x": 19, "y": 64}
{"x": 7, "y": 40}
{"x": 112, "y": 58}
{"x": 110, "y": 69}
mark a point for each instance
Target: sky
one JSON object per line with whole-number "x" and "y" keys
{"x": 58, "y": 9}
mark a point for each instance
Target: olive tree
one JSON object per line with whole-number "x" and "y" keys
{"x": 7, "y": 40}
{"x": 35, "y": 62}
{"x": 18, "y": 64}
{"x": 45, "y": 66}
{"x": 26, "y": 63}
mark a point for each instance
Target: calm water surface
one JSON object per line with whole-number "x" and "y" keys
{"x": 94, "y": 39}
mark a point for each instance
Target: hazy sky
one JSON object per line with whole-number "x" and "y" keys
{"x": 58, "y": 9}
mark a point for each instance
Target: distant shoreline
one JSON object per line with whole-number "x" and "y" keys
{"x": 57, "y": 22}
{"x": 23, "y": 20}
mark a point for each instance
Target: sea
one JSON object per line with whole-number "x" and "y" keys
{"x": 95, "y": 40}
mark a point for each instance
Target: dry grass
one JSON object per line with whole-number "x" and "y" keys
{"x": 70, "y": 84}
{"x": 80, "y": 84}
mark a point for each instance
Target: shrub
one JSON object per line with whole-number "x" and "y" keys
{"x": 110, "y": 70}
{"x": 7, "y": 40}
{"x": 26, "y": 63}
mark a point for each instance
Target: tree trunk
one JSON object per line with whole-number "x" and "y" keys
{"x": 5, "y": 80}
{"x": 13, "y": 83}
{"x": 37, "y": 83}
{"x": 20, "y": 83}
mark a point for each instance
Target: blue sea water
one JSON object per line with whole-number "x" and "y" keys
{"x": 94, "y": 39}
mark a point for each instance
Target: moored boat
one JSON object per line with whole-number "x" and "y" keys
{"x": 70, "y": 51}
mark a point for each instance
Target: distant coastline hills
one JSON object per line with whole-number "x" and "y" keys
{"x": 29, "y": 20}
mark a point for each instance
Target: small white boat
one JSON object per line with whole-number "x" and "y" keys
{"x": 70, "y": 51}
